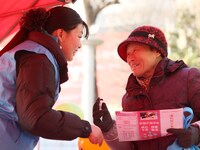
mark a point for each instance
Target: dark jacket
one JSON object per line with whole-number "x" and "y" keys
{"x": 173, "y": 85}
{"x": 36, "y": 91}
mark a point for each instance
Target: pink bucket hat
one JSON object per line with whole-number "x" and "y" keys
{"x": 148, "y": 35}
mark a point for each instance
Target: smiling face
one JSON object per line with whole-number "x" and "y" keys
{"x": 142, "y": 59}
{"x": 70, "y": 41}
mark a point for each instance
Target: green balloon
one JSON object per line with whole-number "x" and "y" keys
{"x": 72, "y": 108}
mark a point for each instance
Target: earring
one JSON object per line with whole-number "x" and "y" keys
{"x": 60, "y": 45}
{"x": 60, "y": 42}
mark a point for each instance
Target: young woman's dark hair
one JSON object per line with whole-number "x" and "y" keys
{"x": 45, "y": 21}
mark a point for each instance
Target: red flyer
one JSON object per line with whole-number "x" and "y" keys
{"x": 149, "y": 124}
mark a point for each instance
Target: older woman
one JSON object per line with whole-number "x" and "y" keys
{"x": 156, "y": 82}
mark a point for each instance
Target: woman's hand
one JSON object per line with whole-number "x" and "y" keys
{"x": 186, "y": 137}
{"x": 101, "y": 116}
{"x": 96, "y": 136}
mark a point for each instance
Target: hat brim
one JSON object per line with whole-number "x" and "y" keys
{"x": 122, "y": 48}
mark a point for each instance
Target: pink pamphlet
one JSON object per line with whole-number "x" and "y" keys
{"x": 149, "y": 124}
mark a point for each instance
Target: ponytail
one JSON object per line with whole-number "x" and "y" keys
{"x": 33, "y": 20}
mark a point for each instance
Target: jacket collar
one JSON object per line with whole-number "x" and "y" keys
{"x": 167, "y": 66}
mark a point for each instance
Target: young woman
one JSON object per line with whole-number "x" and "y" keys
{"x": 32, "y": 67}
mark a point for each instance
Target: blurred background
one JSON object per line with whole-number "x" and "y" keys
{"x": 97, "y": 70}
